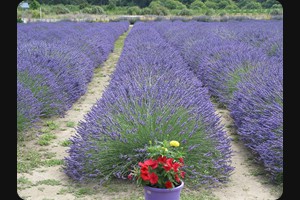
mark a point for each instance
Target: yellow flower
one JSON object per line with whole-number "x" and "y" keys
{"x": 174, "y": 143}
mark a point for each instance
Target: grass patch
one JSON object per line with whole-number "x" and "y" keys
{"x": 84, "y": 191}
{"x": 48, "y": 182}
{"x": 49, "y": 155}
{"x": 45, "y": 139}
{"x": 51, "y": 125}
{"x": 23, "y": 183}
{"x": 66, "y": 143}
{"x": 27, "y": 160}
{"x": 53, "y": 162}
{"x": 71, "y": 124}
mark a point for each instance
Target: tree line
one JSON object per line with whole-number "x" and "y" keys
{"x": 145, "y": 3}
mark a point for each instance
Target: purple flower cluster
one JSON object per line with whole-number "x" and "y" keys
{"x": 55, "y": 61}
{"x": 152, "y": 96}
{"x": 257, "y": 108}
{"x": 241, "y": 65}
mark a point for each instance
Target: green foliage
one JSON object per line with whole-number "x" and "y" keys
{"x": 53, "y": 162}
{"x": 112, "y": 4}
{"x": 236, "y": 77}
{"x": 135, "y": 10}
{"x": 252, "y": 5}
{"x": 172, "y": 4}
{"x": 157, "y": 9}
{"x": 22, "y": 122}
{"x": 276, "y": 12}
{"x": 59, "y": 9}
{"x": 223, "y": 3}
{"x": 185, "y": 12}
{"x": 209, "y": 12}
{"x": 36, "y": 14}
{"x": 66, "y": 143}
{"x": 277, "y": 6}
{"x": 93, "y": 10}
{"x": 27, "y": 160}
{"x": 44, "y": 139}
{"x": 270, "y": 4}
{"x": 197, "y": 4}
{"x": 211, "y": 4}
{"x": 19, "y": 19}
{"x": 231, "y": 7}
{"x": 48, "y": 182}
{"x": 34, "y": 4}
{"x": 146, "y": 11}
{"x": 222, "y": 13}
{"x": 72, "y": 8}
{"x": 83, "y": 5}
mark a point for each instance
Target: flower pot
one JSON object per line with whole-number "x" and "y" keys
{"x": 163, "y": 194}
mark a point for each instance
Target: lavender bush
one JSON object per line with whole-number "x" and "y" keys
{"x": 152, "y": 96}
{"x": 55, "y": 62}
{"x": 241, "y": 65}
{"x": 257, "y": 108}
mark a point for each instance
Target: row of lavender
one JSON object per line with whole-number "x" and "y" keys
{"x": 152, "y": 96}
{"x": 241, "y": 63}
{"x": 55, "y": 61}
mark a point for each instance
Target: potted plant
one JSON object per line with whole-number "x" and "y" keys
{"x": 161, "y": 173}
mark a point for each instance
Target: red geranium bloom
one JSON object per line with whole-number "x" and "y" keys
{"x": 129, "y": 176}
{"x": 145, "y": 176}
{"x": 169, "y": 164}
{"x": 176, "y": 166}
{"x": 142, "y": 164}
{"x": 144, "y": 170}
{"x": 182, "y": 173}
{"x": 168, "y": 184}
{"x": 152, "y": 163}
{"x": 181, "y": 160}
{"x": 177, "y": 178}
{"x": 153, "y": 178}
{"x": 162, "y": 159}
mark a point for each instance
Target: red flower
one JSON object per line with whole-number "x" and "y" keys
{"x": 177, "y": 178}
{"x": 152, "y": 163}
{"x": 181, "y": 160}
{"x": 176, "y": 166}
{"x": 162, "y": 159}
{"x": 144, "y": 170}
{"x": 169, "y": 164}
{"x": 153, "y": 178}
{"x": 129, "y": 176}
{"x": 145, "y": 176}
{"x": 142, "y": 164}
{"x": 168, "y": 184}
{"x": 182, "y": 173}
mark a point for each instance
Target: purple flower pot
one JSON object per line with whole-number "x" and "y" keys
{"x": 162, "y": 194}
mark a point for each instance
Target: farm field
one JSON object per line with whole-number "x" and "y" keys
{"x": 91, "y": 95}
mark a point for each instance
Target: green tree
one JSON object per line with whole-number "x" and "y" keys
{"x": 34, "y": 4}
{"x": 197, "y": 4}
{"x": 270, "y": 3}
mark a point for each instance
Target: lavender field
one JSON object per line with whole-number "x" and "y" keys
{"x": 167, "y": 82}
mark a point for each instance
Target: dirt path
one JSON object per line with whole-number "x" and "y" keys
{"x": 247, "y": 181}
{"x": 40, "y": 175}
